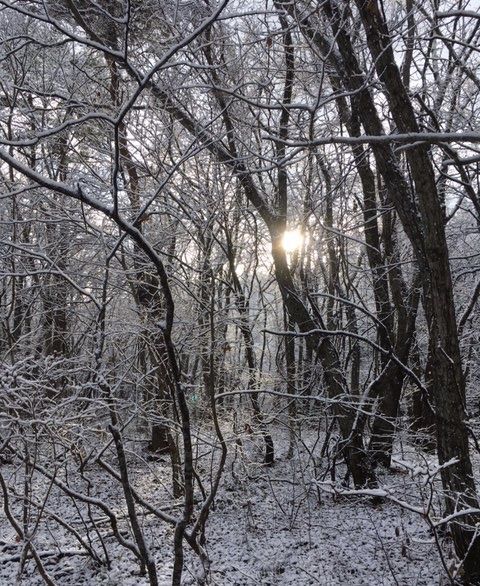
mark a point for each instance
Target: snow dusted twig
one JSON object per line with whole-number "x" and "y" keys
{"x": 86, "y": 499}
{"x": 411, "y": 138}
{"x": 55, "y": 554}
{"x": 147, "y": 560}
{"x": 379, "y": 493}
{"x": 49, "y": 513}
{"x": 452, "y": 13}
{"x": 424, "y": 511}
{"x": 25, "y": 538}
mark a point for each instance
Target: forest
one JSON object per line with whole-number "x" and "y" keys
{"x": 239, "y": 292}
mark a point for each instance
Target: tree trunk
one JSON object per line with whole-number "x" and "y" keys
{"x": 448, "y": 380}
{"x": 335, "y": 382}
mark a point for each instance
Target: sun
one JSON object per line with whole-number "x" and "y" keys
{"x": 292, "y": 240}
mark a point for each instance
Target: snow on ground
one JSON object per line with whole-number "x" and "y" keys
{"x": 270, "y": 526}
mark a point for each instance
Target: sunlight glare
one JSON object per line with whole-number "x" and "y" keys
{"x": 292, "y": 240}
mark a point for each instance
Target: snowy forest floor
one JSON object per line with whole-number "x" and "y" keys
{"x": 269, "y": 526}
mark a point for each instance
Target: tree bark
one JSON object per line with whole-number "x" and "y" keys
{"x": 448, "y": 380}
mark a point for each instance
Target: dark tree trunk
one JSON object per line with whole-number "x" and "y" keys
{"x": 346, "y": 74}
{"x": 422, "y": 413}
{"x": 447, "y": 376}
{"x": 335, "y": 381}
